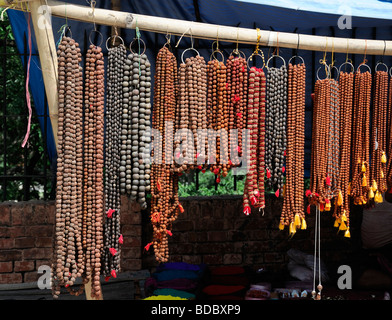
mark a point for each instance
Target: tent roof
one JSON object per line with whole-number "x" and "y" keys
{"x": 379, "y": 9}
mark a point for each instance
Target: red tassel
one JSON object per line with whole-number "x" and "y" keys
{"x": 204, "y": 170}
{"x": 321, "y": 206}
{"x": 107, "y": 278}
{"x": 268, "y": 173}
{"x": 121, "y": 239}
{"x": 113, "y": 251}
{"x": 239, "y": 114}
{"x": 216, "y": 170}
{"x": 147, "y": 247}
{"x": 236, "y": 98}
{"x": 247, "y": 210}
{"x": 199, "y": 167}
{"x": 181, "y": 208}
{"x": 113, "y": 273}
{"x": 308, "y": 193}
{"x": 284, "y": 153}
{"x": 109, "y": 214}
{"x": 308, "y": 209}
{"x": 218, "y": 180}
{"x": 253, "y": 200}
{"x": 283, "y": 169}
{"x": 243, "y": 68}
{"x": 257, "y": 193}
{"x": 277, "y": 193}
{"x": 227, "y": 86}
{"x": 169, "y": 232}
{"x": 158, "y": 186}
{"x": 328, "y": 181}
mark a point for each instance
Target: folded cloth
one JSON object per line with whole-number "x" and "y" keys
{"x": 174, "y": 293}
{"x": 175, "y": 274}
{"x": 178, "y": 284}
{"x": 180, "y": 266}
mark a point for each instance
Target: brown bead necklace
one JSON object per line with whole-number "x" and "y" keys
{"x": 237, "y": 84}
{"x": 218, "y": 116}
{"x": 378, "y": 141}
{"x": 68, "y": 256}
{"x": 93, "y": 202}
{"x": 191, "y": 115}
{"x": 342, "y": 204}
{"x": 293, "y": 205}
{"x": 254, "y": 193}
{"x": 360, "y": 184}
{"x": 165, "y": 205}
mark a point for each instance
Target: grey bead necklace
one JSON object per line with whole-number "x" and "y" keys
{"x": 275, "y": 139}
{"x": 114, "y": 100}
{"x": 135, "y": 132}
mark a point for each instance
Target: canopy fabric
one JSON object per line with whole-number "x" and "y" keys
{"x": 379, "y": 9}
{"x": 222, "y": 12}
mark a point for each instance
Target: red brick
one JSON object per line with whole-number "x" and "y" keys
{"x": 6, "y": 243}
{"x": 5, "y": 266}
{"x": 131, "y": 264}
{"x": 21, "y": 212}
{"x": 40, "y": 231}
{"x": 133, "y": 253}
{"x": 212, "y": 259}
{"x": 131, "y": 230}
{"x": 32, "y": 276}
{"x": 10, "y": 278}
{"x": 27, "y": 242}
{"x": 15, "y": 232}
{"x": 217, "y": 236}
{"x": 23, "y": 266}
{"x": 10, "y": 255}
{"x": 44, "y": 242}
{"x": 5, "y": 215}
{"x": 183, "y": 225}
{"x": 4, "y": 232}
{"x": 37, "y": 253}
{"x": 132, "y": 242}
{"x": 232, "y": 259}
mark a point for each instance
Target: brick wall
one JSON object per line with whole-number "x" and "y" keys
{"x": 211, "y": 230}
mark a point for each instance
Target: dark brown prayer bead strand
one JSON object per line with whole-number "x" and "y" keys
{"x": 378, "y": 140}
{"x": 68, "y": 254}
{"x": 254, "y": 181}
{"x": 293, "y": 206}
{"x": 342, "y": 203}
{"x": 164, "y": 182}
{"x": 361, "y": 141}
{"x": 389, "y": 141}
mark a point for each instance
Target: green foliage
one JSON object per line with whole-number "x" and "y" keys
{"x": 15, "y": 160}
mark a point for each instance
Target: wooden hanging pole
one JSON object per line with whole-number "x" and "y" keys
{"x": 208, "y": 31}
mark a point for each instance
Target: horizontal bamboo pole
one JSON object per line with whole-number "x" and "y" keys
{"x": 223, "y": 33}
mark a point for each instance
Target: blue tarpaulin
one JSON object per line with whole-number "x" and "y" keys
{"x": 247, "y": 14}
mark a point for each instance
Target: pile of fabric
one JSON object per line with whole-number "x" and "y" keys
{"x": 175, "y": 281}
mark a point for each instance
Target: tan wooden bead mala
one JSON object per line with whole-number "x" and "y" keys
{"x": 114, "y": 101}
{"x": 69, "y": 256}
{"x": 360, "y": 184}
{"x": 237, "y": 84}
{"x": 293, "y": 205}
{"x": 377, "y": 174}
{"x": 325, "y": 145}
{"x": 191, "y": 115}
{"x": 254, "y": 193}
{"x": 93, "y": 202}
{"x": 389, "y": 141}
{"x": 217, "y": 115}
{"x": 342, "y": 203}
{"x": 165, "y": 205}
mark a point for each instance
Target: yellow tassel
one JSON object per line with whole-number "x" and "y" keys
{"x": 292, "y": 229}
{"x": 382, "y": 174}
{"x": 378, "y": 197}
{"x": 364, "y": 181}
{"x": 303, "y": 224}
{"x": 383, "y": 158}
{"x": 340, "y": 199}
{"x": 336, "y": 224}
{"x": 281, "y": 226}
{"x": 327, "y": 206}
{"x": 363, "y": 167}
{"x": 343, "y": 217}
{"x": 347, "y": 233}
{"x": 342, "y": 226}
{"x": 374, "y": 186}
{"x": 371, "y": 193}
{"x": 297, "y": 221}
